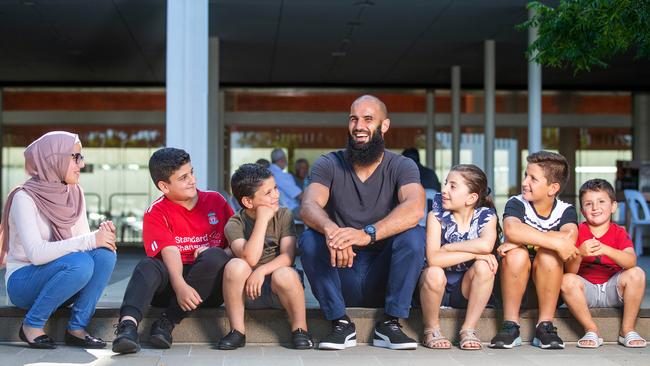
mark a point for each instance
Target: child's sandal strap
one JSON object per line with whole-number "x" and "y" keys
{"x": 433, "y": 338}
{"x": 631, "y": 337}
{"x": 469, "y": 336}
{"x": 590, "y": 336}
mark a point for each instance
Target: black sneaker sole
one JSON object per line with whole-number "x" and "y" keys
{"x": 125, "y": 346}
{"x": 350, "y": 341}
{"x": 303, "y": 346}
{"x": 159, "y": 341}
{"x": 552, "y": 345}
{"x": 503, "y": 345}
{"x": 227, "y": 347}
{"x": 383, "y": 341}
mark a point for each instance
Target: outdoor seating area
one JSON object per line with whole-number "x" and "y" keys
{"x": 365, "y": 182}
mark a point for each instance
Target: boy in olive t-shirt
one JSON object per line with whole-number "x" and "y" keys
{"x": 262, "y": 238}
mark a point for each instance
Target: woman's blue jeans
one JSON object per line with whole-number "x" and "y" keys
{"x": 78, "y": 278}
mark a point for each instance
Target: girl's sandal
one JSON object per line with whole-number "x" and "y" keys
{"x": 468, "y": 336}
{"x": 434, "y": 339}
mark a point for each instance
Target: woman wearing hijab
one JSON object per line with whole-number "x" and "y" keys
{"x": 52, "y": 257}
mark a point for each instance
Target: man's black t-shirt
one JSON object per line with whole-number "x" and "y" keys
{"x": 355, "y": 204}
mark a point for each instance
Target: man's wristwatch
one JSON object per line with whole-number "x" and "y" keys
{"x": 372, "y": 231}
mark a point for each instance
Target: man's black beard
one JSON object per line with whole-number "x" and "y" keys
{"x": 364, "y": 154}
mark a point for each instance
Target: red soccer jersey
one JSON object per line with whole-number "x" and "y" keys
{"x": 599, "y": 269}
{"x": 167, "y": 223}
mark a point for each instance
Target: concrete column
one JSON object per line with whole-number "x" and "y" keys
{"x": 455, "y": 115}
{"x": 215, "y": 123}
{"x": 4, "y": 194}
{"x": 187, "y": 82}
{"x": 431, "y": 130}
{"x": 224, "y": 172}
{"x": 534, "y": 96}
{"x": 641, "y": 127}
{"x": 489, "y": 132}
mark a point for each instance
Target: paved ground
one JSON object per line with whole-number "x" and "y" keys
{"x": 186, "y": 355}
{"x": 204, "y": 354}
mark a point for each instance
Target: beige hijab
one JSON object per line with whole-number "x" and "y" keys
{"x": 46, "y": 162}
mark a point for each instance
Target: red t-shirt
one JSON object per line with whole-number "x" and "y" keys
{"x": 599, "y": 269}
{"x": 166, "y": 223}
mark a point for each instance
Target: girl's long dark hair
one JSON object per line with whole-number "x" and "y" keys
{"x": 476, "y": 181}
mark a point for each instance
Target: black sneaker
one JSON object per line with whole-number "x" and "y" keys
{"x": 127, "y": 337}
{"x": 507, "y": 337}
{"x": 388, "y": 334}
{"x": 301, "y": 339}
{"x": 161, "y": 333}
{"x": 232, "y": 340}
{"x": 546, "y": 336}
{"x": 343, "y": 335}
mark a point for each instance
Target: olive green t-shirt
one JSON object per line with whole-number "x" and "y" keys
{"x": 240, "y": 226}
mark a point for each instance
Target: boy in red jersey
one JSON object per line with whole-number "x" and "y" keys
{"x": 187, "y": 252}
{"x": 605, "y": 274}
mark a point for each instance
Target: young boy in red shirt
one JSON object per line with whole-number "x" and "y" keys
{"x": 605, "y": 273}
{"x": 187, "y": 252}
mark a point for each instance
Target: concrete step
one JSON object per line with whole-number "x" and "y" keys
{"x": 271, "y": 327}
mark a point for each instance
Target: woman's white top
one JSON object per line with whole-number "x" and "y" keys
{"x": 30, "y": 235}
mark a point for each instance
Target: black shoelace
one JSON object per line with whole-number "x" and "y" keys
{"x": 166, "y": 324}
{"x": 119, "y": 327}
{"x": 340, "y": 325}
{"x": 508, "y": 327}
{"x": 393, "y": 324}
{"x": 550, "y": 329}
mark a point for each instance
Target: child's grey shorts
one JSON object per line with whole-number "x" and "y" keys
{"x": 604, "y": 295}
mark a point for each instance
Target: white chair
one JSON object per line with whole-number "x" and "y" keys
{"x": 636, "y": 203}
{"x": 430, "y": 193}
{"x": 619, "y": 216}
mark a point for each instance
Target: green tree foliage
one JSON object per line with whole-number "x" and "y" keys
{"x": 583, "y": 33}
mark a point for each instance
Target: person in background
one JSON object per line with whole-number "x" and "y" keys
{"x": 301, "y": 171}
{"x": 52, "y": 257}
{"x": 263, "y": 162}
{"x": 290, "y": 192}
{"x": 428, "y": 177}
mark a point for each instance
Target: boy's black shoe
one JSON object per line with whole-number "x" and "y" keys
{"x": 343, "y": 335}
{"x": 161, "y": 333}
{"x": 546, "y": 336}
{"x": 301, "y": 339}
{"x": 232, "y": 340}
{"x": 507, "y": 337}
{"x": 388, "y": 334}
{"x": 127, "y": 337}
